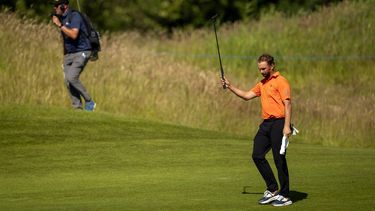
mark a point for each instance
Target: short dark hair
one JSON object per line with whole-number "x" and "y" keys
{"x": 58, "y": 2}
{"x": 266, "y": 58}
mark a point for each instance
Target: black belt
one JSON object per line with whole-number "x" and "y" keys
{"x": 273, "y": 119}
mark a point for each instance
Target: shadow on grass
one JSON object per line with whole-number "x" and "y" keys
{"x": 245, "y": 191}
{"x": 297, "y": 196}
{"x": 294, "y": 195}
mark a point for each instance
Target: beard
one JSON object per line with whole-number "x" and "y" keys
{"x": 266, "y": 75}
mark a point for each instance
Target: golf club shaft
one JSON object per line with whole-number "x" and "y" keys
{"x": 79, "y": 6}
{"x": 218, "y": 51}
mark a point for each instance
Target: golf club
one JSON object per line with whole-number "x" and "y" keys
{"x": 79, "y": 6}
{"x": 245, "y": 190}
{"x": 213, "y": 19}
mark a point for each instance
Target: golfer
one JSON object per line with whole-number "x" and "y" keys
{"x": 77, "y": 50}
{"x": 274, "y": 93}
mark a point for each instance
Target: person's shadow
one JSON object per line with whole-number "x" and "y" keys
{"x": 297, "y": 196}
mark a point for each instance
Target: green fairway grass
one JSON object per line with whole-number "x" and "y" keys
{"x": 59, "y": 159}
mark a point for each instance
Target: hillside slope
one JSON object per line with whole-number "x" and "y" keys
{"x": 52, "y": 158}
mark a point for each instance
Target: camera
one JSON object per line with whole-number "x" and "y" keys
{"x": 53, "y": 13}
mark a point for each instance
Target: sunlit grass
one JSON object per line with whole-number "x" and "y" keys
{"x": 53, "y": 158}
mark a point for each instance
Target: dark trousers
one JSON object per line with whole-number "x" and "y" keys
{"x": 269, "y": 137}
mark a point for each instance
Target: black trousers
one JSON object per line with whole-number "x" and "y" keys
{"x": 269, "y": 137}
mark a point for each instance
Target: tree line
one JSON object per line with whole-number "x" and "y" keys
{"x": 164, "y": 15}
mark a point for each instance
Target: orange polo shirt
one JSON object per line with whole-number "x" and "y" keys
{"x": 272, "y": 93}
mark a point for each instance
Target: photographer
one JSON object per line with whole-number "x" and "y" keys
{"x": 77, "y": 50}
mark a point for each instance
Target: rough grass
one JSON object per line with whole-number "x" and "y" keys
{"x": 58, "y": 159}
{"x": 328, "y": 57}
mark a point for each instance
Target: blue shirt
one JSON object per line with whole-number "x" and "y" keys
{"x": 72, "y": 19}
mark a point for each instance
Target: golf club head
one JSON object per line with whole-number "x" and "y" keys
{"x": 213, "y": 18}
{"x": 245, "y": 190}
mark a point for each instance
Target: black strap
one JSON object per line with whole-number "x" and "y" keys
{"x": 70, "y": 13}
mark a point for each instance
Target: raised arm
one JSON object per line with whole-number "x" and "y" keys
{"x": 246, "y": 95}
{"x": 71, "y": 33}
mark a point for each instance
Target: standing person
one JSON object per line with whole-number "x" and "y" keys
{"x": 77, "y": 51}
{"x": 274, "y": 93}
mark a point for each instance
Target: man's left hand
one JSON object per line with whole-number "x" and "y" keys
{"x": 287, "y": 131}
{"x": 56, "y": 21}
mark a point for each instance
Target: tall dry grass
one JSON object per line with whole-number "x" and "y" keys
{"x": 125, "y": 80}
{"x": 176, "y": 80}
{"x": 328, "y": 57}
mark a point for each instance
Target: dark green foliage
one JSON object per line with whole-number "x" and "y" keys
{"x": 116, "y": 15}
